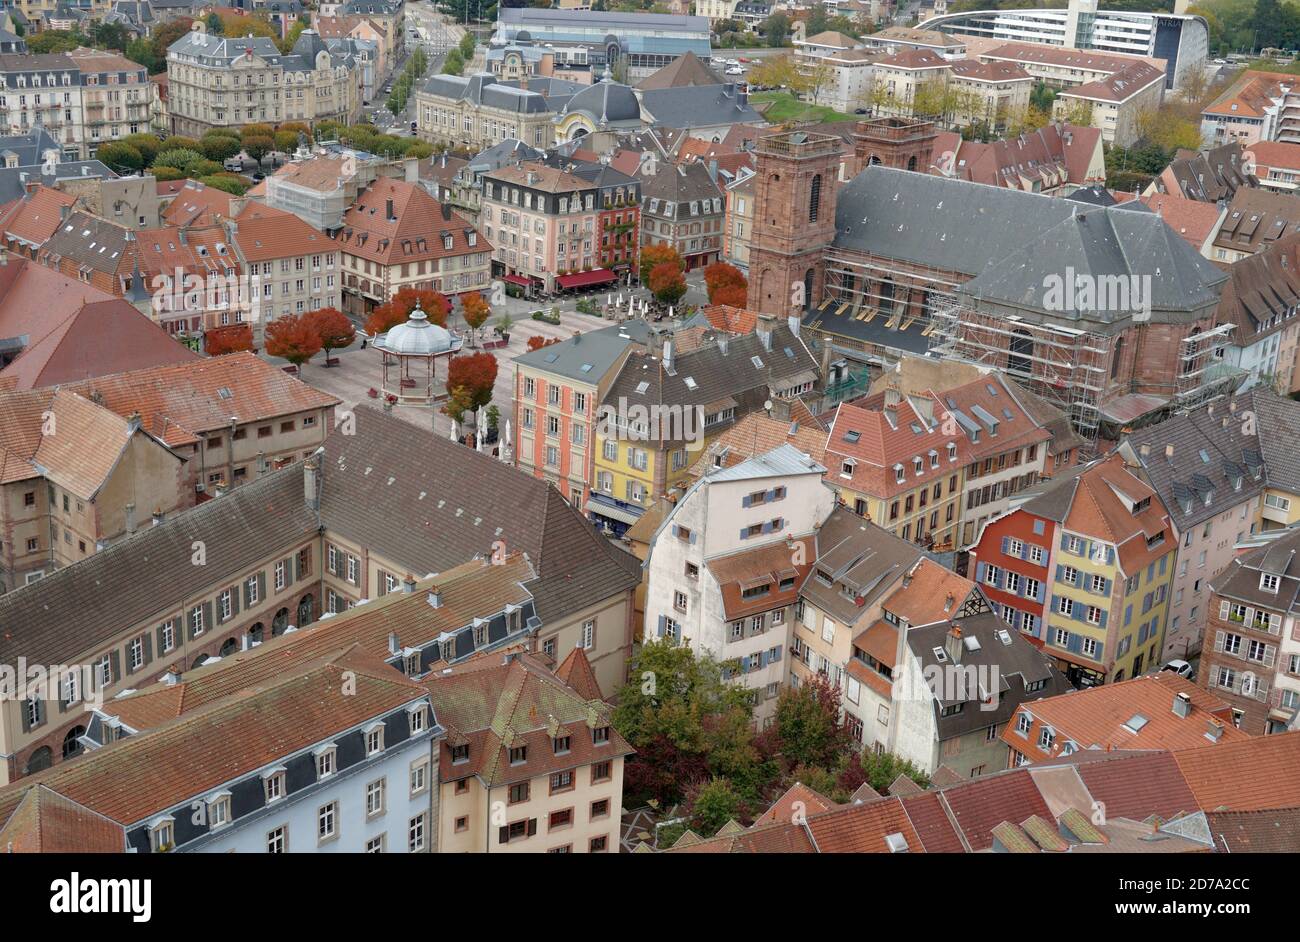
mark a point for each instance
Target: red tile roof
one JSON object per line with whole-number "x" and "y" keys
{"x": 862, "y": 829}
{"x": 795, "y": 805}
{"x": 267, "y": 233}
{"x": 415, "y": 233}
{"x": 982, "y": 804}
{"x": 36, "y": 217}
{"x": 880, "y": 446}
{"x": 101, "y": 338}
{"x": 1138, "y": 786}
{"x": 1245, "y": 775}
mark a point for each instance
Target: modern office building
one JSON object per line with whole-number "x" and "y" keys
{"x": 1181, "y": 40}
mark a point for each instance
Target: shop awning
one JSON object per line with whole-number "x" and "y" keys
{"x": 517, "y": 280}
{"x": 582, "y": 279}
{"x": 614, "y": 513}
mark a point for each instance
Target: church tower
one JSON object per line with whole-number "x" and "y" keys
{"x": 794, "y": 219}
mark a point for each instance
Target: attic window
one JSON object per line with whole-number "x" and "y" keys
{"x": 690, "y": 383}
{"x": 460, "y": 753}
{"x": 518, "y": 755}
{"x": 225, "y": 393}
{"x": 641, "y": 387}
{"x": 1269, "y": 582}
{"x": 852, "y": 437}
{"x": 940, "y": 654}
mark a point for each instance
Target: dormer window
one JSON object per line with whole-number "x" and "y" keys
{"x": 846, "y": 469}
{"x": 518, "y": 755}
{"x": 899, "y": 474}
{"x": 413, "y": 665}
{"x": 600, "y": 735}
{"x": 375, "y": 739}
{"x": 327, "y": 762}
{"x": 1269, "y": 582}
{"x": 918, "y": 465}
{"x": 1046, "y": 739}
{"x": 419, "y": 718}
{"x": 952, "y": 451}
{"x": 162, "y": 836}
{"x": 273, "y": 782}
{"x": 460, "y": 754}
{"x": 219, "y": 810}
{"x": 934, "y": 459}
{"x": 562, "y": 744}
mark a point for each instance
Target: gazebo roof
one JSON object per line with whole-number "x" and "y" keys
{"x": 418, "y": 337}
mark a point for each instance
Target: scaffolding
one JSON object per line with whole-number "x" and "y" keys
{"x": 1065, "y": 366}
{"x": 1202, "y": 372}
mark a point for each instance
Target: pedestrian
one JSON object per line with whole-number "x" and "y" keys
{"x": 364, "y": 341}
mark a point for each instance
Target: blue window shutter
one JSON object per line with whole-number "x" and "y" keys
{"x": 767, "y": 527}
{"x": 743, "y": 531}
{"x": 979, "y": 572}
{"x": 1005, "y": 541}
{"x": 762, "y": 659}
{"x": 1076, "y": 643}
{"x": 1024, "y": 550}
{"x": 692, "y": 536}
{"x": 1056, "y": 601}
{"x": 744, "y": 663}
{"x": 662, "y": 620}
{"x": 1128, "y": 615}
{"x": 771, "y": 495}
{"x": 744, "y": 501}
{"x": 1060, "y": 572}
{"x": 777, "y": 653}
{"x": 1016, "y": 618}
{"x": 1065, "y": 541}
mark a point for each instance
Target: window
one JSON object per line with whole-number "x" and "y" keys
{"x": 135, "y": 653}
{"x": 377, "y": 845}
{"x": 588, "y": 638}
{"x": 326, "y": 763}
{"x": 375, "y": 798}
{"x": 375, "y": 740}
{"x": 560, "y": 819}
{"x": 274, "y": 784}
{"x": 602, "y": 772}
{"x": 561, "y": 781}
{"x": 419, "y": 777}
{"x": 1069, "y": 575}
{"x": 219, "y": 811}
{"x": 277, "y": 841}
{"x": 562, "y": 744}
{"x": 1269, "y": 582}
{"x": 1065, "y": 606}
{"x": 598, "y": 844}
{"x": 518, "y": 755}
{"x": 415, "y": 834}
{"x": 518, "y": 792}
{"x": 1023, "y": 722}
{"x": 600, "y": 735}
{"x": 162, "y": 837}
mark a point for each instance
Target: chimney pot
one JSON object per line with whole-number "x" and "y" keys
{"x": 408, "y": 584}
{"x": 1183, "y": 705}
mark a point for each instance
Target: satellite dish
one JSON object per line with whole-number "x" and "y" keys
{"x": 767, "y": 406}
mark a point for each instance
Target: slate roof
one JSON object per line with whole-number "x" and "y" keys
{"x": 1257, "y": 217}
{"x": 714, "y": 374}
{"x": 454, "y": 504}
{"x": 1262, "y": 291}
{"x": 485, "y": 89}
{"x": 860, "y": 556}
{"x": 88, "y": 604}
{"x": 1240, "y": 580}
{"x": 1007, "y": 240}
{"x": 699, "y": 106}
{"x": 687, "y": 69}
{"x": 1000, "y": 650}
{"x": 588, "y": 356}
{"x": 1208, "y": 176}
{"x": 1193, "y": 460}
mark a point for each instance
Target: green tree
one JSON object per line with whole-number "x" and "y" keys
{"x": 466, "y": 46}
{"x": 258, "y": 147}
{"x": 218, "y": 147}
{"x": 808, "y": 724}
{"x": 712, "y": 804}
{"x": 879, "y": 770}
{"x": 454, "y": 64}
{"x": 214, "y": 24}
{"x": 775, "y": 30}
{"x": 147, "y": 144}
{"x": 120, "y": 156}
{"x": 109, "y": 36}
{"x": 55, "y": 41}
{"x": 181, "y": 159}
{"x": 141, "y": 51}
{"x": 226, "y": 182}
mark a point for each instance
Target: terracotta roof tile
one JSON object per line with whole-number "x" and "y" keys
{"x": 1246, "y": 775}
{"x": 862, "y": 829}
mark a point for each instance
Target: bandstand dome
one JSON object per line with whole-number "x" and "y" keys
{"x": 417, "y": 337}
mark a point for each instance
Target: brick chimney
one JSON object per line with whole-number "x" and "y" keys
{"x": 952, "y": 645}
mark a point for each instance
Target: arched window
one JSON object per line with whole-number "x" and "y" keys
{"x": 279, "y": 622}
{"x": 911, "y": 163}
{"x": 815, "y": 199}
{"x": 71, "y": 747}
{"x": 198, "y": 662}
{"x": 228, "y": 647}
{"x": 42, "y": 758}
{"x": 1019, "y": 356}
{"x": 305, "y": 609}
{"x": 1116, "y": 357}
{"x": 255, "y": 634}
{"x": 872, "y": 160}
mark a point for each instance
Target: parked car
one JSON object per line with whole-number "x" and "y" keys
{"x": 1181, "y": 668}
{"x": 735, "y": 70}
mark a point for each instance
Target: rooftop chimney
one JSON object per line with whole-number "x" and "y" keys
{"x": 668, "y": 355}
{"x": 1214, "y": 730}
{"x": 952, "y": 643}
{"x": 794, "y": 324}
{"x": 130, "y": 518}
{"x": 766, "y": 323}
{"x": 133, "y": 423}
{"x": 157, "y": 516}
{"x": 435, "y": 598}
{"x": 311, "y": 482}
{"x": 1183, "y": 704}
{"x": 408, "y": 584}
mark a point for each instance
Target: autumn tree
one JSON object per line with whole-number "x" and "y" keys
{"x": 657, "y": 254}
{"x": 475, "y": 309}
{"x": 230, "y": 339}
{"x": 470, "y": 378}
{"x": 808, "y": 724}
{"x": 398, "y": 308}
{"x": 667, "y": 283}
{"x": 258, "y": 147}
{"x": 333, "y": 328}
{"x": 537, "y": 341}
{"x": 292, "y": 338}
{"x": 734, "y": 295}
{"x": 719, "y": 276}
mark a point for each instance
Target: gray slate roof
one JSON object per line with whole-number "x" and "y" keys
{"x": 608, "y": 104}
{"x": 589, "y": 356}
{"x": 1010, "y": 240}
{"x": 860, "y": 554}
{"x": 1241, "y": 579}
{"x": 699, "y": 106}
{"x": 1015, "y": 664}
{"x": 430, "y": 504}
{"x": 484, "y": 89}
{"x": 91, "y": 602}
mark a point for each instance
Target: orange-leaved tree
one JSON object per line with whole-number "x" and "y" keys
{"x": 653, "y": 255}
{"x": 734, "y": 295}
{"x": 475, "y": 309}
{"x": 537, "y": 341}
{"x": 293, "y": 338}
{"x": 333, "y": 328}
{"x": 667, "y": 283}
{"x": 720, "y": 276}
{"x": 470, "y": 377}
{"x": 229, "y": 339}
{"x": 398, "y": 308}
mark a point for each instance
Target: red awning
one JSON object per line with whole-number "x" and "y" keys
{"x": 517, "y": 280}
{"x": 584, "y": 278}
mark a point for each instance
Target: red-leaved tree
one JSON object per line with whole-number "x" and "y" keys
{"x": 470, "y": 378}
{"x": 537, "y": 341}
{"x": 733, "y": 295}
{"x": 398, "y": 308}
{"x": 657, "y": 254}
{"x": 720, "y": 276}
{"x": 667, "y": 283}
{"x": 230, "y": 339}
{"x": 333, "y": 328}
{"x": 475, "y": 309}
{"x": 293, "y": 338}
